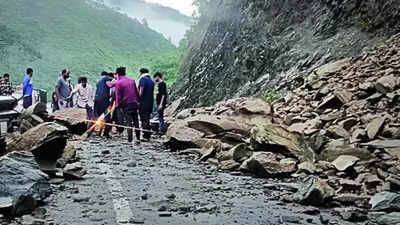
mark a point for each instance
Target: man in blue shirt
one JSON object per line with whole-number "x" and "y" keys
{"x": 146, "y": 98}
{"x": 27, "y": 89}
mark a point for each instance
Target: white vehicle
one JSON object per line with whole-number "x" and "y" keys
{"x": 8, "y": 113}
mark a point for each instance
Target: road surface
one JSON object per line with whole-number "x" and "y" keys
{"x": 147, "y": 184}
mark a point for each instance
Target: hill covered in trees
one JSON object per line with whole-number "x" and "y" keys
{"x": 84, "y": 36}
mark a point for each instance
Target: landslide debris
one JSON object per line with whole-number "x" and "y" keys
{"x": 342, "y": 126}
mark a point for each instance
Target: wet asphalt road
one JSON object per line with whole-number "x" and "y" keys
{"x": 147, "y": 184}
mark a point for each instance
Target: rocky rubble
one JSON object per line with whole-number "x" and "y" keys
{"x": 41, "y": 152}
{"x": 342, "y": 128}
{"x": 22, "y": 185}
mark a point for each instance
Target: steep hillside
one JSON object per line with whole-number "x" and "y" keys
{"x": 168, "y": 21}
{"x": 246, "y": 47}
{"x": 85, "y": 36}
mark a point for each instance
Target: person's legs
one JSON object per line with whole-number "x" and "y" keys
{"x": 161, "y": 121}
{"x": 89, "y": 113}
{"x": 146, "y": 124}
{"x": 26, "y": 101}
{"x": 143, "y": 116}
{"x": 128, "y": 122}
{"x": 107, "y": 128}
{"x": 119, "y": 120}
{"x": 62, "y": 104}
{"x": 135, "y": 118}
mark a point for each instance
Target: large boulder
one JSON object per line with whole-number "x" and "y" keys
{"x": 275, "y": 138}
{"x": 268, "y": 164}
{"x": 336, "y": 148}
{"x": 210, "y": 124}
{"x": 254, "y": 106}
{"x": 39, "y": 109}
{"x": 28, "y": 122}
{"x": 385, "y": 201}
{"x": 180, "y": 136}
{"x": 73, "y": 118}
{"x": 382, "y": 218}
{"x": 247, "y": 106}
{"x": 46, "y": 140}
{"x": 172, "y": 109}
{"x": 314, "y": 191}
{"x": 239, "y": 153}
{"x": 22, "y": 184}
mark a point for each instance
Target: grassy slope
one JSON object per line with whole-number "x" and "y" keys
{"x": 49, "y": 35}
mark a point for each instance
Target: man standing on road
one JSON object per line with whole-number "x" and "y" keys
{"x": 102, "y": 99}
{"x": 127, "y": 100}
{"x": 146, "y": 94}
{"x": 161, "y": 100}
{"x": 27, "y": 89}
{"x": 63, "y": 90}
{"x": 83, "y": 96}
{"x": 6, "y": 87}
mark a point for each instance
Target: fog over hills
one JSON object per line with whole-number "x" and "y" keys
{"x": 170, "y": 22}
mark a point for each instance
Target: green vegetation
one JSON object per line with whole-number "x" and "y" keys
{"x": 84, "y": 36}
{"x": 271, "y": 95}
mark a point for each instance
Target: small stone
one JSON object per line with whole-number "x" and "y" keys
{"x": 374, "y": 127}
{"x": 171, "y": 196}
{"x": 337, "y": 132}
{"x": 136, "y": 220}
{"x": 344, "y": 162}
{"x": 81, "y": 199}
{"x": 162, "y": 208}
{"x": 132, "y": 164}
{"x": 106, "y": 152}
{"x": 289, "y": 219}
{"x": 354, "y": 215}
{"x": 165, "y": 214}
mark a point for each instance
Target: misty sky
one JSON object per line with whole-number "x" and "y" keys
{"x": 184, "y": 6}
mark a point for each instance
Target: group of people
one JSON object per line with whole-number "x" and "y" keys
{"x": 131, "y": 101}
{"x": 117, "y": 97}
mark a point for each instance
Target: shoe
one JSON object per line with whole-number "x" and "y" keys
{"x": 145, "y": 140}
{"x": 137, "y": 142}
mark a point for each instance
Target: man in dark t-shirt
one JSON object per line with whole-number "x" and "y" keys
{"x": 102, "y": 98}
{"x": 146, "y": 98}
{"x": 161, "y": 100}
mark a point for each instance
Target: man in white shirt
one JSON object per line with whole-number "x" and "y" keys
{"x": 83, "y": 97}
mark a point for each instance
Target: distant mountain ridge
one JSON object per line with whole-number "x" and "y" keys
{"x": 166, "y": 20}
{"x": 84, "y": 36}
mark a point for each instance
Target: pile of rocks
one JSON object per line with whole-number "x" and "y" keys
{"x": 340, "y": 131}
{"x": 35, "y": 156}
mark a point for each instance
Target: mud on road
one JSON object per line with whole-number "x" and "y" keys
{"x": 148, "y": 184}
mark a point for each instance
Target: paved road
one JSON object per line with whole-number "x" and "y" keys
{"x": 150, "y": 185}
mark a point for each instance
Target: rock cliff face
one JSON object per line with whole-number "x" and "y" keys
{"x": 244, "y": 47}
